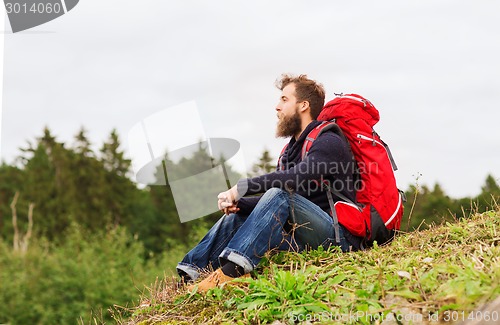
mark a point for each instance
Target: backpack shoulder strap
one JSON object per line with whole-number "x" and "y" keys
{"x": 311, "y": 137}
{"x": 314, "y": 134}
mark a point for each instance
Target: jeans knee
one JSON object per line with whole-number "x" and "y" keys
{"x": 275, "y": 192}
{"x": 274, "y": 197}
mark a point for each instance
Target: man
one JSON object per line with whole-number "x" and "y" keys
{"x": 293, "y": 212}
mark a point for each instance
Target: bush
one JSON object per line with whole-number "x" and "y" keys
{"x": 60, "y": 284}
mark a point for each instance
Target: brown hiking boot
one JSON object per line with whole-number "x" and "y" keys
{"x": 215, "y": 279}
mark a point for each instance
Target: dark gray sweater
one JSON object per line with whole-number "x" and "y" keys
{"x": 329, "y": 159}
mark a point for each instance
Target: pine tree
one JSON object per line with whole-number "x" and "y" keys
{"x": 88, "y": 185}
{"x": 113, "y": 157}
{"x": 45, "y": 167}
{"x": 120, "y": 189}
{"x": 264, "y": 165}
{"x": 82, "y": 145}
{"x": 490, "y": 194}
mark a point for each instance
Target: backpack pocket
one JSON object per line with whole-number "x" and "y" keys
{"x": 351, "y": 217}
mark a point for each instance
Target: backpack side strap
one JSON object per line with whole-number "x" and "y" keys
{"x": 280, "y": 165}
{"x": 333, "y": 214}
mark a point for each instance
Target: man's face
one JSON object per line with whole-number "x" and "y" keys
{"x": 289, "y": 123}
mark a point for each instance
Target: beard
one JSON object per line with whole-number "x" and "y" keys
{"x": 288, "y": 126}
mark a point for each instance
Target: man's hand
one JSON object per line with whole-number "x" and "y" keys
{"x": 227, "y": 201}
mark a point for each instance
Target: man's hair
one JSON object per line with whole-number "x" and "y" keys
{"x": 305, "y": 90}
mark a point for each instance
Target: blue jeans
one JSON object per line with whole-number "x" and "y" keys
{"x": 280, "y": 221}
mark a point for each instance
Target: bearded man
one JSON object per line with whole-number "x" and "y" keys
{"x": 292, "y": 210}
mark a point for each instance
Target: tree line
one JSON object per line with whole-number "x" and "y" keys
{"x": 65, "y": 184}
{"x": 431, "y": 205}
{"x": 60, "y": 184}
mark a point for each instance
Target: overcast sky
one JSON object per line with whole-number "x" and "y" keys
{"x": 430, "y": 67}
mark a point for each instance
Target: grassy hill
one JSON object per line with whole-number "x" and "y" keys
{"x": 438, "y": 275}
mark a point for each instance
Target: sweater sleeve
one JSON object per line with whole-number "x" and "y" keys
{"x": 328, "y": 159}
{"x": 247, "y": 204}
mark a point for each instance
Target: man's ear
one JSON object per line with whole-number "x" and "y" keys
{"x": 304, "y": 106}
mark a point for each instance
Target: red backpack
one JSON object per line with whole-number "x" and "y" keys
{"x": 378, "y": 209}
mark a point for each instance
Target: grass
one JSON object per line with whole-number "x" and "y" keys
{"x": 438, "y": 275}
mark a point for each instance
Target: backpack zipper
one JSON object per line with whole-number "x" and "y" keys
{"x": 364, "y": 137}
{"x": 386, "y": 148}
{"x": 355, "y": 98}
